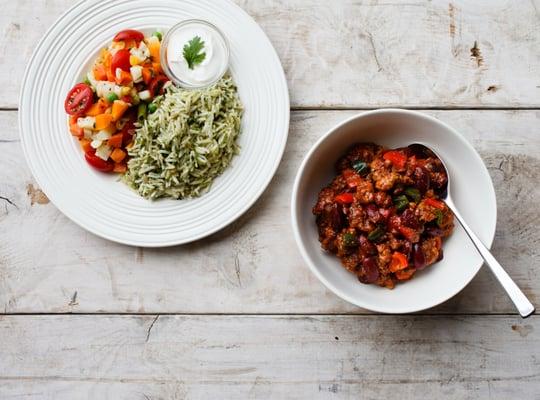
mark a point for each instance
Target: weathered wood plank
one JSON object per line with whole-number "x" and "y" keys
{"x": 49, "y": 264}
{"x": 378, "y": 53}
{"x": 225, "y": 357}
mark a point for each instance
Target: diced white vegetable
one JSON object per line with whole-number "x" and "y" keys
{"x": 104, "y": 88}
{"x": 102, "y": 135}
{"x": 104, "y": 151}
{"x": 86, "y": 122}
{"x": 136, "y": 73}
{"x": 141, "y": 52}
{"x": 93, "y": 81}
{"x": 145, "y": 95}
{"x": 88, "y": 133}
{"x": 118, "y": 73}
{"x": 96, "y": 143}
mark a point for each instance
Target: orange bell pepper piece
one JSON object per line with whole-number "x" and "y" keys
{"x": 118, "y": 155}
{"x": 116, "y": 140}
{"x": 119, "y": 107}
{"x": 103, "y": 121}
{"x": 100, "y": 72}
{"x": 97, "y": 108}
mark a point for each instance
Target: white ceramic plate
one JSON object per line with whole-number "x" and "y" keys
{"x": 98, "y": 202}
{"x": 472, "y": 191}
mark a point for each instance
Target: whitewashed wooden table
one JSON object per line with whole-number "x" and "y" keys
{"x": 238, "y": 315}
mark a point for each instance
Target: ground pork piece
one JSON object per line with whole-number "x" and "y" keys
{"x": 364, "y": 191}
{"x": 438, "y": 179}
{"x": 385, "y": 255}
{"x": 382, "y": 199}
{"x": 383, "y": 175}
{"x": 425, "y": 213}
{"x": 358, "y": 218}
{"x": 431, "y": 248}
{"x": 350, "y": 262}
{"x": 327, "y": 237}
{"x": 339, "y": 184}
{"x": 325, "y": 200}
{"x": 346, "y": 242}
{"x": 359, "y": 152}
{"x": 386, "y": 281}
{"x": 394, "y": 242}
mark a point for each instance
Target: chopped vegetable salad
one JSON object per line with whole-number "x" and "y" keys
{"x": 117, "y": 92}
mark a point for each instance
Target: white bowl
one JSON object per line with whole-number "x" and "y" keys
{"x": 472, "y": 191}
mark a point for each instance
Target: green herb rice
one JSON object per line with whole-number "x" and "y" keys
{"x": 187, "y": 142}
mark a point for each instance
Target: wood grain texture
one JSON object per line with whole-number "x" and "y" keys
{"x": 347, "y": 53}
{"x": 48, "y": 264}
{"x": 253, "y": 357}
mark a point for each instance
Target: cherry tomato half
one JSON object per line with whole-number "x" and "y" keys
{"x": 120, "y": 60}
{"x": 129, "y": 34}
{"x": 98, "y": 163}
{"x": 79, "y": 99}
{"x": 156, "y": 85}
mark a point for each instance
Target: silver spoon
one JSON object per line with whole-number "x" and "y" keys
{"x": 519, "y": 299}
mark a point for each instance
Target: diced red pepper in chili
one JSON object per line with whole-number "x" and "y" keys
{"x": 399, "y": 262}
{"x": 345, "y": 198}
{"x": 352, "y": 178}
{"x": 434, "y": 203}
{"x": 397, "y": 158}
{"x": 409, "y": 233}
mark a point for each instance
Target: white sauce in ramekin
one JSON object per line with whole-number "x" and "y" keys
{"x": 215, "y": 62}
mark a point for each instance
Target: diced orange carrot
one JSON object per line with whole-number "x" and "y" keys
{"x": 85, "y": 145}
{"x": 97, "y": 108}
{"x": 100, "y": 72}
{"x": 120, "y": 168}
{"x": 118, "y": 155}
{"x": 147, "y": 75}
{"x": 116, "y": 140}
{"x": 103, "y": 121}
{"x": 154, "y": 46}
{"x": 119, "y": 107}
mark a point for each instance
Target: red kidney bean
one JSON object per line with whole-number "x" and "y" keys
{"x": 366, "y": 247}
{"x": 421, "y": 179}
{"x": 370, "y": 271}
{"x": 419, "y": 259}
{"x": 409, "y": 219}
{"x": 434, "y": 231}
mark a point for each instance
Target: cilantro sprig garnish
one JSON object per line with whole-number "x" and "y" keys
{"x": 192, "y": 52}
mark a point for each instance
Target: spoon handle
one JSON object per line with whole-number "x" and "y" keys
{"x": 519, "y": 299}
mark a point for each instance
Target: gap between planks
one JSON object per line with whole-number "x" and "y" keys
{"x": 270, "y": 315}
